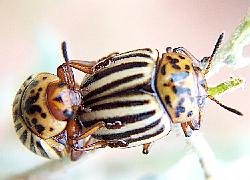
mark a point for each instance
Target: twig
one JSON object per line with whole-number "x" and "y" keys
{"x": 231, "y": 53}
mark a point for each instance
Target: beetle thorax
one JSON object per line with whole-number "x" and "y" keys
{"x": 62, "y": 101}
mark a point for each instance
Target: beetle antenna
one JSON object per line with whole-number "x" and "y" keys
{"x": 216, "y": 47}
{"x": 224, "y": 106}
{"x": 70, "y": 75}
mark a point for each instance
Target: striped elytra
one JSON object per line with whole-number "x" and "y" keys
{"x": 117, "y": 94}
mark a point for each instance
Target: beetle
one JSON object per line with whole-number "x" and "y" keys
{"x": 138, "y": 95}
{"x": 45, "y": 110}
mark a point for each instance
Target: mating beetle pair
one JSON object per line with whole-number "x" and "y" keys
{"x": 126, "y": 99}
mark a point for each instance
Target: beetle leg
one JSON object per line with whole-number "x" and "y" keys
{"x": 89, "y": 131}
{"x": 146, "y": 148}
{"x": 193, "y": 125}
{"x": 93, "y": 146}
{"x": 102, "y": 144}
{"x": 186, "y": 129}
{"x": 111, "y": 55}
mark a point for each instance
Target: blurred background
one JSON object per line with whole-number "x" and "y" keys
{"x": 31, "y": 34}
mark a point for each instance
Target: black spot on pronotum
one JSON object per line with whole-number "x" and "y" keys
{"x": 45, "y": 77}
{"x": 58, "y": 99}
{"x": 179, "y": 110}
{"x": 163, "y": 69}
{"x": 175, "y": 66}
{"x": 40, "y": 89}
{"x": 43, "y": 115}
{"x": 34, "y": 120}
{"x": 168, "y": 101}
{"x": 181, "y": 57}
{"x": 166, "y": 84}
{"x": 187, "y": 67}
{"x": 32, "y": 91}
{"x": 39, "y": 128}
{"x": 173, "y": 62}
{"x": 174, "y": 89}
{"x": 190, "y": 113}
{"x": 67, "y": 113}
{"x": 51, "y": 129}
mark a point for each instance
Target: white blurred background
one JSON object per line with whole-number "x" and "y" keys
{"x": 31, "y": 34}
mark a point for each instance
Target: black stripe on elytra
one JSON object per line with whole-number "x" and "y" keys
{"x": 123, "y": 119}
{"x": 179, "y": 76}
{"x": 32, "y": 147}
{"x": 134, "y": 51}
{"x": 124, "y": 93}
{"x": 58, "y": 152}
{"x": 18, "y": 126}
{"x": 118, "y": 58}
{"x": 146, "y": 136}
{"x": 121, "y": 67}
{"x": 113, "y": 84}
{"x": 41, "y": 149}
{"x": 23, "y": 137}
{"x": 126, "y": 133}
{"x": 117, "y": 104}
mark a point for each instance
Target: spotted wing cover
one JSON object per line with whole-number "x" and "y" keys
{"x": 176, "y": 86}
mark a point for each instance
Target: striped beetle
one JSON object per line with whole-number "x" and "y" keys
{"x": 45, "y": 109}
{"x": 137, "y": 94}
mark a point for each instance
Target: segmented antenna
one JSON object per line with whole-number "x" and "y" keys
{"x": 216, "y": 47}
{"x": 70, "y": 75}
{"x": 224, "y": 106}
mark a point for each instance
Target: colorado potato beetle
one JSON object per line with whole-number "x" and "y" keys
{"x": 45, "y": 110}
{"x": 137, "y": 94}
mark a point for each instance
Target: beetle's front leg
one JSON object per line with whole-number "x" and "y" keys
{"x": 102, "y": 144}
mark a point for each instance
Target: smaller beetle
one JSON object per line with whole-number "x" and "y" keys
{"x": 181, "y": 86}
{"x": 45, "y": 110}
